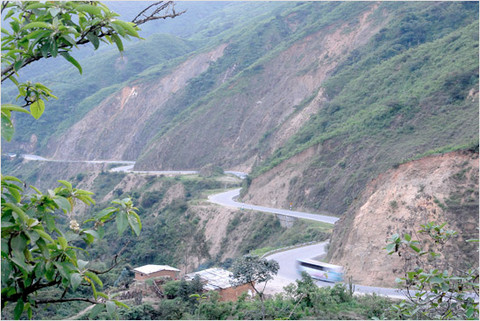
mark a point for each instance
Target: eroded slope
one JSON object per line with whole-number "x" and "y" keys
{"x": 442, "y": 188}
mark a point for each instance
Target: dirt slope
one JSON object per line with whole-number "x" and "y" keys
{"x": 115, "y": 128}
{"x": 441, "y": 188}
{"x": 257, "y": 111}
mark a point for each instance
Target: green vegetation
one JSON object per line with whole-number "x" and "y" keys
{"x": 42, "y": 245}
{"x": 432, "y": 291}
{"x": 301, "y": 300}
{"x": 387, "y": 107}
{"x": 256, "y": 272}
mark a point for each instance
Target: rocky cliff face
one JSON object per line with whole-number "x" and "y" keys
{"x": 441, "y": 188}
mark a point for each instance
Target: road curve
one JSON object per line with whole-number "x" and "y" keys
{"x": 288, "y": 272}
{"x": 286, "y": 259}
{"x": 227, "y": 199}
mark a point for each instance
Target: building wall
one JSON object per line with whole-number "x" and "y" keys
{"x": 231, "y": 294}
{"x": 140, "y": 276}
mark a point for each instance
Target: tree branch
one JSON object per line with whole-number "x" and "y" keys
{"x": 8, "y": 71}
{"x": 159, "y": 7}
{"x": 114, "y": 261}
{"x": 4, "y": 5}
{"x": 46, "y": 301}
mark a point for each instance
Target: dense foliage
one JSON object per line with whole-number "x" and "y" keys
{"x": 301, "y": 300}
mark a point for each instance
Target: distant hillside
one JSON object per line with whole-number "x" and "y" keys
{"x": 314, "y": 99}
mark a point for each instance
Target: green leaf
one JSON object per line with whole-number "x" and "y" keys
{"x": 111, "y": 307}
{"x": 75, "y": 280}
{"x": 70, "y": 40}
{"x": 89, "y": 239}
{"x": 118, "y": 42}
{"x": 135, "y": 223}
{"x": 17, "y": 312}
{"x": 35, "y": 189}
{"x": 67, "y": 184}
{"x": 21, "y": 214}
{"x": 416, "y": 249}
{"x": 14, "y": 108}
{"x": 37, "y": 108}
{"x": 92, "y": 233}
{"x": 63, "y": 203}
{"x": 129, "y": 27}
{"x": 19, "y": 243}
{"x": 35, "y": 6}
{"x": 94, "y": 290}
{"x": 94, "y": 277}
{"x": 407, "y": 237}
{"x": 12, "y": 178}
{"x": 63, "y": 242}
{"x": 93, "y": 39}
{"x": 122, "y": 222}
{"x": 7, "y": 128}
{"x": 37, "y": 24}
{"x": 93, "y": 10}
{"x": 390, "y": 247}
{"x": 63, "y": 268}
{"x": 96, "y": 310}
{"x": 29, "y": 310}
{"x": 50, "y": 222}
{"x": 82, "y": 264}
{"x": 72, "y": 60}
{"x": 105, "y": 213}
{"x": 18, "y": 65}
{"x": 436, "y": 279}
{"x": 469, "y": 313}
{"x": 120, "y": 304}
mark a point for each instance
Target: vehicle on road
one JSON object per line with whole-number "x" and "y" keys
{"x": 321, "y": 270}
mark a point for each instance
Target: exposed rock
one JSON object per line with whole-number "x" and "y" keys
{"x": 440, "y": 188}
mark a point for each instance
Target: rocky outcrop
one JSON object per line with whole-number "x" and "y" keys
{"x": 440, "y": 188}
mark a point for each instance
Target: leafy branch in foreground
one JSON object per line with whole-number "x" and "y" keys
{"x": 37, "y": 254}
{"x": 433, "y": 292}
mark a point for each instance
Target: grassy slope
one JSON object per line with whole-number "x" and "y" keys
{"x": 412, "y": 103}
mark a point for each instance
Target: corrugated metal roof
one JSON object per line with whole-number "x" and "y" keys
{"x": 152, "y": 268}
{"x": 214, "y": 278}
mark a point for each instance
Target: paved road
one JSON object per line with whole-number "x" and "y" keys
{"x": 43, "y": 159}
{"x": 127, "y": 168}
{"x": 288, "y": 271}
{"x": 228, "y": 199}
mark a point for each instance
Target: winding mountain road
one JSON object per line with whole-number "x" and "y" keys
{"x": 228, "y": 199}
{"x": 286, "y": 259}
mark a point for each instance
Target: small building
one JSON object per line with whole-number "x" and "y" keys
{"x": 152, "y": 271}
{"x": 220, "y": 280}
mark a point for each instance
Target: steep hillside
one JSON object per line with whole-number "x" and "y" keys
{"x": 442, "y": 188}
{"x": 247, "y": 96}
{"x": 116, "y": 129}
{"x": 107, "y": 71}
{"x": 374, "y": 115}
